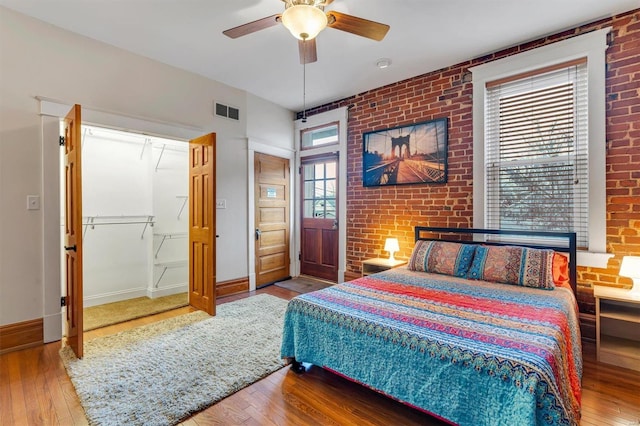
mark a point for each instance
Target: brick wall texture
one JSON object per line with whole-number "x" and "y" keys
{"x": 374, "y": 213}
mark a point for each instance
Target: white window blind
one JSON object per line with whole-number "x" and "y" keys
{"x": 536, "y": 151}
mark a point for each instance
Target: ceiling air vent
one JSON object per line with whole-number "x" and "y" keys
{"x": 227, "y": 111}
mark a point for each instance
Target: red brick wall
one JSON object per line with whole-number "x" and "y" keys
{"x": 374, "y": 213}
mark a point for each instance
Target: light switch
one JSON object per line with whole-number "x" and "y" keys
{"x": 33, "y": 202}
{"x": 221, "y": 204}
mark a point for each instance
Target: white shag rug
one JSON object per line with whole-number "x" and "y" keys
{"x": 161, "y": 373}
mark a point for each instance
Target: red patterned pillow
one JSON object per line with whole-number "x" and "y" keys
{"x": 442, "y": 257}
{"x": 522, "y": 266}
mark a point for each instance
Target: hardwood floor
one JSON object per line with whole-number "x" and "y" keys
{"x": 35, "y": 390}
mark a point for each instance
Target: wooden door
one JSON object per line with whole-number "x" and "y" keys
{"x": 202, "y": 223}
{"x": 271, "y": 219}
{"x": 73, "y": 228}
{"x": 319, "y": 224}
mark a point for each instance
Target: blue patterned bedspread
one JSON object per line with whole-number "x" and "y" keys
{"x": 471, "y": 352}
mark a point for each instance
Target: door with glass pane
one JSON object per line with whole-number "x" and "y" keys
{"x": 319, "y": 230}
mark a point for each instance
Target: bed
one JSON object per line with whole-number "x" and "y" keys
{"x": 478, "y": 328}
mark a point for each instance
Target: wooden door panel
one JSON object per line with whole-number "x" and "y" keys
{"x": 271, "y": 219}
{"x": 272, "y": 214}
{"x": 309, "y": 242}
{"x": 329, "y": 242}
{"x": 202, "y": 253}
{"x": 273, "y": 262}
{"x": 73, "y": 229}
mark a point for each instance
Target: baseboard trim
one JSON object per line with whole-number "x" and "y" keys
{"x": 116, "y": 296}
{"x": 52, "y": 327}
{"x": 227, "y": 288}
{"x": 167, "y": 291}
{"x": 21, "y": 335}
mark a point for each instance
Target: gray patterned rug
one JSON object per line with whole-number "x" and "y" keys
{"x": 160, "y": 373}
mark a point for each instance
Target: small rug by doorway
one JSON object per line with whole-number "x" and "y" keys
{"x": 161, "y": 373}
{"x": 303, "y": 284}
{"x": 125, "y": 310}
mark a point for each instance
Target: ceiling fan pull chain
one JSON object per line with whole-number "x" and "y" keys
{"x": 304, "y": 81}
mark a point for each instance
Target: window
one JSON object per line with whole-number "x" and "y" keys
{"x": 539, "y": 142}
{"x": 536, "y": 154}
{"x": 320, "y": 136}
{"x": 320, "y": 190}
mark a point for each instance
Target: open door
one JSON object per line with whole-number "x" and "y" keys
{"x": 202, "y": 223}
{"x": 73, "y": 228}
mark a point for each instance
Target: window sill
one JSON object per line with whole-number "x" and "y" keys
{"x": 593, "y": 260}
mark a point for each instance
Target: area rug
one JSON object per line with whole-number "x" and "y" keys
{"x": 161, "y": 373}
{"x": 125, "y": 310}
{"x": 303, "y": 284}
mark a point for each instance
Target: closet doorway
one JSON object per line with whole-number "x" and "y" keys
{"x": 139, "y": 235}
{"x": 135, "y": 220}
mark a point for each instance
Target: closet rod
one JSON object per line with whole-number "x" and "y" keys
{"x": 91, "y": 222}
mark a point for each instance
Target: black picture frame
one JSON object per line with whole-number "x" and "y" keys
{"x": 406, "y": 155}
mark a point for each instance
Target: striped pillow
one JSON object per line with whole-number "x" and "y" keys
{"x": 521, "y": 266}
{"x": 442, "y": 257}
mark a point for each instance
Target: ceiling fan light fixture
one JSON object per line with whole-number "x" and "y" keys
{"x": 304, "y": 21}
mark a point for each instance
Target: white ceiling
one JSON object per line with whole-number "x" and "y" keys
{"x": 425, "y": 35}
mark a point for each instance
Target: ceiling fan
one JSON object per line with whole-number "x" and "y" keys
{"x": 305, "y": 19}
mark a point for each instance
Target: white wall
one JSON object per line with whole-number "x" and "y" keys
{"x": 115, "y": 182}
{"x": 37, "y": 59}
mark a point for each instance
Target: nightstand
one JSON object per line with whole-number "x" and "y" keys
{"x": 618, "y": 326}
{"x": 371, "y": 266}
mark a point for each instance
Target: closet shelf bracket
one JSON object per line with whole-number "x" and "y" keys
{"x": 169, "y": 236}
{"x": 185, "y": 198}
{"x": 160, "y": 156}
{"x": 167, "y": 265}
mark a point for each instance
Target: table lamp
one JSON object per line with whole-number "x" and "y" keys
{"x": 391, "y": 245}
{"x": 631, "y": 268}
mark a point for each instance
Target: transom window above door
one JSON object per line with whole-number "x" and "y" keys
{"x": 319, "y": 136}
{"x": 319, "y": 197}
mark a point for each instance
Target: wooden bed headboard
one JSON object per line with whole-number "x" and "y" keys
{"x": 564, "y": 242}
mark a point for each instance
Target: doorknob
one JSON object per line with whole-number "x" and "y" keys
{"x": 73, "y": 247}
{"x": 258, "y": 233}
{"x": 335, "y": 224}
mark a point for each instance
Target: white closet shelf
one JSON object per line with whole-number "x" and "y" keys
{"x": 168, "y": 236}
{"x": 93, "y": 221}
{"x": 167, "y": 265}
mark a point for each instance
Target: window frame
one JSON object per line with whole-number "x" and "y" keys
{"x": 333, "y": 124}
{"x": 591, "y": 46}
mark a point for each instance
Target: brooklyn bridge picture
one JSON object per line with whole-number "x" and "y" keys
{"x": 406, "y": 155}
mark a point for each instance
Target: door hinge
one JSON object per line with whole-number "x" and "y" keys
{"x": 300, "y": 170}
{"x": 63, "y": 301}
{"x": 299, "y": 255}
{"x": 61, "y": 141}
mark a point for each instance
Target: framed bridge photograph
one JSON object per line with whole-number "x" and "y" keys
{"x": 411, "y": 154}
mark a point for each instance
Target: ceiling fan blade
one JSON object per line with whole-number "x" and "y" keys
{"x": 358, "y": 26}
{"x": 252, "y": 27}
{"x": 308, "y": 52}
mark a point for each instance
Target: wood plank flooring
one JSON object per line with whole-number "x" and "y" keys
{"x": 35, "y": 390}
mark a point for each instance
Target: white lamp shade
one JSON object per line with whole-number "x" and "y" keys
{"x": 630, "y": 267}
{"x": 391, "y": 245}
{"x": 303, "y": 21}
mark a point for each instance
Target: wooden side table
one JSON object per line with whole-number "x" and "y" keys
{"x": 618, "y": 326}
{"x": 378, "y": 264}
